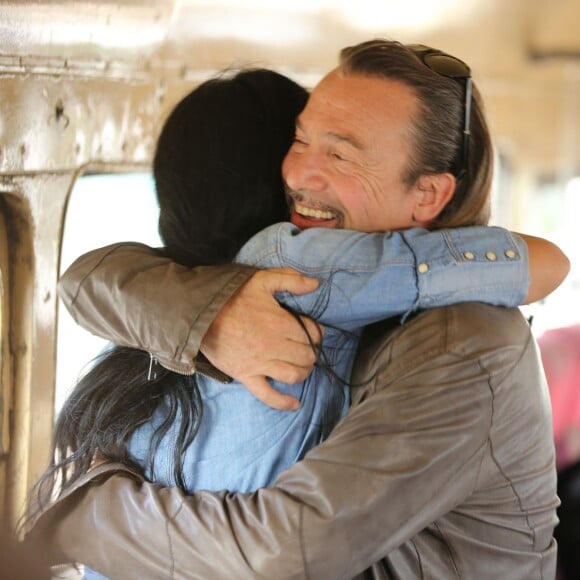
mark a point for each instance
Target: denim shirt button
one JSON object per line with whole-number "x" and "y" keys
{"x": 491, "y": 256}
{"x": 510, "y": 254}
{"x": 423, "y": 268}
{"x": 468, "y": 255}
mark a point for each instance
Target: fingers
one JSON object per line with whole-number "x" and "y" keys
{"x": 262, "y": 390}
{"x": 285, "y": 279}
{"x": 287, "y": 371}
{"x": 253, "y": 337}
{"x": 314, "y": 330}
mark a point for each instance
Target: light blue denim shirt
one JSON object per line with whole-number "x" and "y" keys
{"x": 242, "y": 444}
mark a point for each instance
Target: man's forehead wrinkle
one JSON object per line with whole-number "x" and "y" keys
{"x": 341, "y": 134}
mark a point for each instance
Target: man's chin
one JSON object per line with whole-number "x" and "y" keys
{"x": 305, "y": 222}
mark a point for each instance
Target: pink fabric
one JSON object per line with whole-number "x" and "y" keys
{"x": 560, "y": 350}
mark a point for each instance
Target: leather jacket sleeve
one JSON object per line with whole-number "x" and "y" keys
{"x": 414, "y": 447}
{"x": 108, "y": 290}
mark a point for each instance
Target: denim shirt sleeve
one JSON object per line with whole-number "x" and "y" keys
{"x": 482, "y": 264}
{"x": 369, "y": 277}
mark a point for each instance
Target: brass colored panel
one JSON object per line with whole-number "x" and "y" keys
{"x": 6, "y": 382}
{"x": 5, "y": 362}
{"x": 34, "y": 208}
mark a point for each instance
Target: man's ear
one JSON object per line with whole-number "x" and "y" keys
{"x": 432, "y": 193}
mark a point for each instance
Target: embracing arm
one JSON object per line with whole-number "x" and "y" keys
{"x": 461, "y": 265}
{"x": 127, "y": 292}
{"x": 369, "y": 277}
{"x": 132, "y": 295}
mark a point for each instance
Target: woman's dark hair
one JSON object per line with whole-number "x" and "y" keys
{"x": 217, "y": 171}
{"x": 218, "y": 162}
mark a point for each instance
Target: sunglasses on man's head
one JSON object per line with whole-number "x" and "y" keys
{"x": 449, "y": 66}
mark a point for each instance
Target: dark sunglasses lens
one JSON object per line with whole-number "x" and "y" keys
{"x": 447, "y": 66}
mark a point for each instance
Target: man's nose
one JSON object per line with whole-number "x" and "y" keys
{"x": 305, "y": 171}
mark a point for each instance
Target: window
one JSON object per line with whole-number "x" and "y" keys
{"x": 102, "y": 209}
{"x": 545, "y": 207}
{"x": 551, "y": 212}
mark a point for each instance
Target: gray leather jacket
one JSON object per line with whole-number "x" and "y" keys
{"x": 443, "y": 467}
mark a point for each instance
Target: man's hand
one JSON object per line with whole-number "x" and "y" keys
{"x": 253, "y": 337}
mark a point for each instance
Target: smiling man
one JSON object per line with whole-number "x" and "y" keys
{"x": 340, "y": 173}
{"x": 444, "y": 465}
